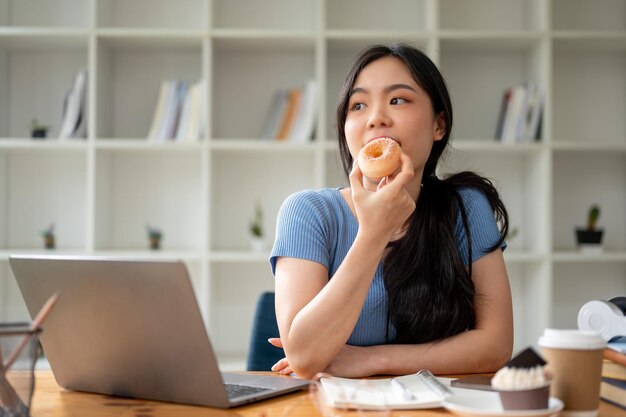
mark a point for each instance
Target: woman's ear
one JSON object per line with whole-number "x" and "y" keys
{"x": 440, "y": 127}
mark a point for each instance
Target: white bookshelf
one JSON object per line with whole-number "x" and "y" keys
{"x": 100, "y": 192}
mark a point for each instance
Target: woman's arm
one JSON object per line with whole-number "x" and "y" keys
{"x": 316, "y": 315}
{"x": 483, "y": 349}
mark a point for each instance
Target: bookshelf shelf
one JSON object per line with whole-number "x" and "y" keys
{"x": 577, "y": 257}
{"x": 101, "y": 191}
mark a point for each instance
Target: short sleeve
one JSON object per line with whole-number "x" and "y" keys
{"x": 303, "y": 229}
{"x": 482, "y": 224}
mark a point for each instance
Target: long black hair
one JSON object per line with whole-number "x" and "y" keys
{"x": 430, "y": 291}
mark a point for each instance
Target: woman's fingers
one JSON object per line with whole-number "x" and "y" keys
{"x": 280, "y": 365}
{"x": 356, "y": 178}
{"x": 406, "y": 173}
{"x": 276, "y": 342}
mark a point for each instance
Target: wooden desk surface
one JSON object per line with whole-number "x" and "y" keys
{"x": 52, "y": 401}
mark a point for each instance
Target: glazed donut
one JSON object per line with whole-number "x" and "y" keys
{"x": 379, "y": 158}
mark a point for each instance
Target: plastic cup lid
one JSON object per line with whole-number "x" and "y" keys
{"x": 572, "y": 339}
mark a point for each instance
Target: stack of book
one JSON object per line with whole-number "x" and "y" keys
{"x": 521, "y": 112}
{"x": 292, "y": 114}
{"x": 613, "y": 385}
{"x": 180, "y": 112}
{"x": 74, "y": 121}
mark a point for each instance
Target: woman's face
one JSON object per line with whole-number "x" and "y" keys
{"x": 386, "y": 101}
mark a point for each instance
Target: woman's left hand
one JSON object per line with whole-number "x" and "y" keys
{"x": 349, "y": 362}
{"x": 282, "y": 366}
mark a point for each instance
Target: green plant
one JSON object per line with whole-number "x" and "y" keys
{"x": 49, "y": 232}
{"x": 35, "y": 125}
{"x": 153, "y": 232}
{"x": 592, "y": 217}
{"x": 256, "y": 224}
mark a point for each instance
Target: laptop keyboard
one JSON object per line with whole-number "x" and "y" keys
{"x": 234, "y": 390}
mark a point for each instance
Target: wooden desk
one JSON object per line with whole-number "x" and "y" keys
{"x": 52, "y": 401}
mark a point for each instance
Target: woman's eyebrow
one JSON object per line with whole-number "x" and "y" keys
{"x": 387, "y": 89}
{"x": 393, "y": 87}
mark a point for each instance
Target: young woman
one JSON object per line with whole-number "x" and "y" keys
{"x": 397, "y": 274}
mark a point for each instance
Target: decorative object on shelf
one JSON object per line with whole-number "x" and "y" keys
{"x": 154, "y": 236}
{"x": 512, "y": 233}
{"x": 590, "y": 238}
{"x": 74, "y": 122}
{"x": 38, "y": 131}
{"x": 48, "y": 237}
{"x": 257, "y": 241}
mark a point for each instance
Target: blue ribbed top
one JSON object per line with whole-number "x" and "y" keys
{"x": 319, "y": 226}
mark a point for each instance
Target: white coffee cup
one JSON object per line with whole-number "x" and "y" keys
{"x": 574, "y": 358}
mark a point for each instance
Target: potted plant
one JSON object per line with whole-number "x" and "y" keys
{"x": 256, "y": 229}
{"x": 154, "y": 237}
{"x": 590, "y": 237}
{"x": 38, "y": 131}
{"x": 48, "y": 237}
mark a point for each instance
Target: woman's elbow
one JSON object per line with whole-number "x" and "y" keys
{"x": 305, "y": 366}
{"x": 497, "y": 355}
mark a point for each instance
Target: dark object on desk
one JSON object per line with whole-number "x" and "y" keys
{"x": 480, "y": 382}
{"x": 261, "y": 354}
{"x": 132, "y": 328}
{"x": 527, "y": 358}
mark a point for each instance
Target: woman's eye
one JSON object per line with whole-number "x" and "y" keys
{"x": 398, "y": 100}
{"x": 357, "y": 106}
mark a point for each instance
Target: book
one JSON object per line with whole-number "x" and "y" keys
{"x": 504, "y": 104}
{"x": 618, "y": 346}
{"x": 304, "y": 124}
{"x": 613, "y": 391}
{"x": 615, "y": 356}
{"x": 614, "y": 370}
{"x": 414, "y": 391}
{"x": 295, "y": 95}
{"x": 521, "y": 113}
{"x": 158, "y": 115}
{"x": 534, "y": 114}
{"x": 74, "y": 120}
{"x": 275, "y": 115}
{"x": 192, "y": 117}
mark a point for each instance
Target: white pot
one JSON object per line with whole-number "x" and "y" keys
{"x": 257, "y": 244}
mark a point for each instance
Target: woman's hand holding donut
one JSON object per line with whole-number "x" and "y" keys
{"x": 383, "y": 212}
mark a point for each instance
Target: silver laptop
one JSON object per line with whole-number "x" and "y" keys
{"x": 132, "y": 328}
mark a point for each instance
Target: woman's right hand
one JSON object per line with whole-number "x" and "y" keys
{"x": 383, "y": 213}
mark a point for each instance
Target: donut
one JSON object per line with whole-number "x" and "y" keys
{"x": 379, "y": 158}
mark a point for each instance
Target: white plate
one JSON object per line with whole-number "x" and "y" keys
{"x": 474, "y": 403}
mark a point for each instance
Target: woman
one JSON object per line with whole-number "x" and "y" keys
{"x": 379, "y": 278}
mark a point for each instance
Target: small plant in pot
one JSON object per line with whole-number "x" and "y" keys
{"x": 154, "y": 237}
{"x": 256, "y": 230}
{"x": 38, "y": 131}
{"x": 48, "y": 237}
{"x": 590, "y": 238}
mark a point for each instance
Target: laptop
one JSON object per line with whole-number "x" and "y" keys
{"x": 132, "y": 328}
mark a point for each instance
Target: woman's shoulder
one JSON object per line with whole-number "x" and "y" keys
{"x": 323, "y": 199}
{"x": 473, "y": 196}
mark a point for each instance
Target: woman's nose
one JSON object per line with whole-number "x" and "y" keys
{"x": 379, "y": 117}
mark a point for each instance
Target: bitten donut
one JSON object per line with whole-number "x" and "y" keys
{"x": 379, "y": 158}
